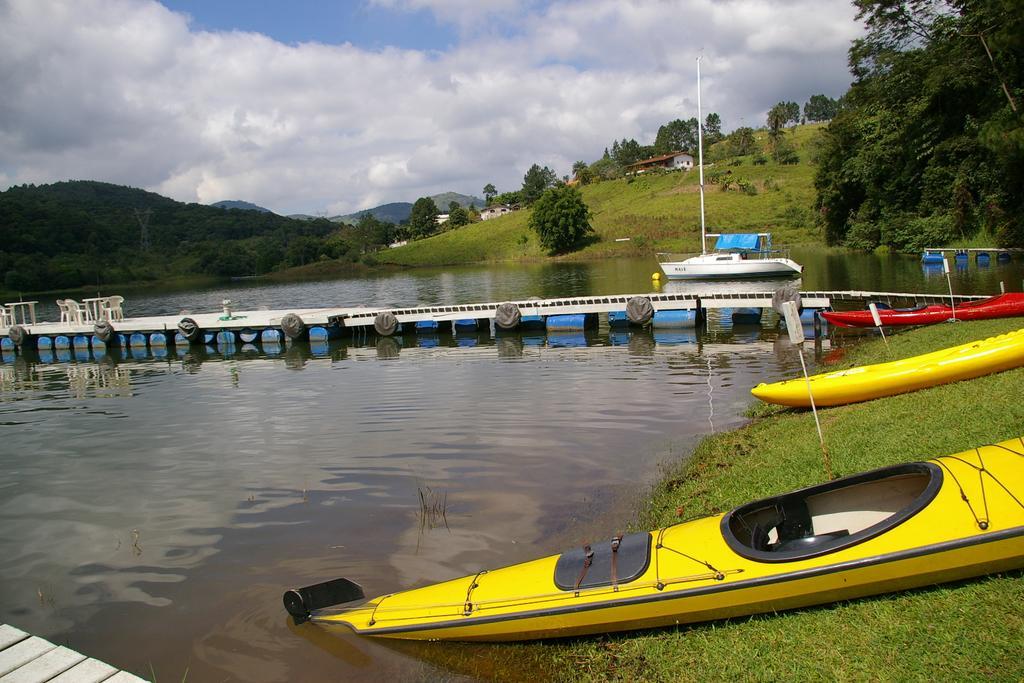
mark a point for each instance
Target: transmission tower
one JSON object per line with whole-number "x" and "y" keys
{"x": 143, "y": 217}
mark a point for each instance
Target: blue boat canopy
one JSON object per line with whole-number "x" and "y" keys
{"x": 738, "y": 241}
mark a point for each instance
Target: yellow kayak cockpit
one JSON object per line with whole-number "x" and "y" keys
{"x": 829, "y": 517}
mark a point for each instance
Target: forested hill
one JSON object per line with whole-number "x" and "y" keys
{"x": 83, "y": 232}
{"x": 928, "y": 146}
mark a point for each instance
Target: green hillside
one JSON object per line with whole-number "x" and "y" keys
{"x": 76, "y": 233}
{"x": 656, "y": 211}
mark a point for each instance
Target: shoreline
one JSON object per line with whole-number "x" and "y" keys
{"x": 969, "y": 626}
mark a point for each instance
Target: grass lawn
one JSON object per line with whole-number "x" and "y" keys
{"x": 971, "y": 630}
{"x": 657, "y": 211}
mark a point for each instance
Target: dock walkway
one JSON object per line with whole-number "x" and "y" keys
{"x": 661, "y": 309}
{"x": 26, "y": 658}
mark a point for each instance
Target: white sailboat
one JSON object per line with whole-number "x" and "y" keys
{"x": 742, "y": 255}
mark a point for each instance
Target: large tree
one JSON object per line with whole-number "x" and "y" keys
{"x": 929, "y": 143}
{"x": 489, "y": 193}
{"x": 535, "y": 181}
{"x": 423, "y": 218}
{"x": 712, "y": 128}
{"x": 820, "y": 108}
{"x": 676, "y": 136}
{"x": 560, "y": 218}
{"x": 457, "y": 215}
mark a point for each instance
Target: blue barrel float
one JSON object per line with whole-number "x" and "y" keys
{"x": 81, "y": 341}
{"x": 983, "y": 259}
{"x": 271, "y": 336}
{"x": 426, "y": 327}
{"x": 617, "y": 319}
{"x": 467, "y": 325}
{"x": 675, "y": 319}
{"x": 44, "y": 343}
{"x": 62, "y": 341}
{"x": 248, "y": 336}
{"x": 933, "y": 257}
{"x": 570, "y": 323}
{"x": 138, "y": 340}
{"x": 1003, "y": 257}
{"x": 322, "y": 333}
{"x": 225, "y": 338}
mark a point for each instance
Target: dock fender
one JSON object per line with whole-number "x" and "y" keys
{"x": 104, "y": 331}
{"x": 18, "y": 335}
{"x": 293, "y": 326}
{"x": 784, "y": 294}
{"x": 639, "y": 310}
{"x": 190, "y": 330}
{"x": 385, "y": 323}
{"x": 507, "y": 315}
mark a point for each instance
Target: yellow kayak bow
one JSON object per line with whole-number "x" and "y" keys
{"x": 867, "y": 382}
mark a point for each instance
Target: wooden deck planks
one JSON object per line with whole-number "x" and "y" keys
{"x": 26, "y": 658}
{"x": 42, "y": 669}
{"x": 87, "y": 671}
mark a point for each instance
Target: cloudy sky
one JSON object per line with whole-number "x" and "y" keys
{"x": 307, "y": 106}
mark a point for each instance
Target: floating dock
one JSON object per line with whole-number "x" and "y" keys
{"x": 29, "y": 659}
{"x": 277, "y": 327}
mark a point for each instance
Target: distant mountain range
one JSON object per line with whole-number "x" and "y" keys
{"x": 237, "y": 204}
{"x": 397, "y": 212}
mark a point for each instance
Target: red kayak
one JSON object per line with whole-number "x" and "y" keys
{"x": 1002, "y": 306}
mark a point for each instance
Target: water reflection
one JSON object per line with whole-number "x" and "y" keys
{"x": 178, "y": 492}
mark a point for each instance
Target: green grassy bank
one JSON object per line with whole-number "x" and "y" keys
{"x": 656, "y": 211}
{"x": 971, "y": 630}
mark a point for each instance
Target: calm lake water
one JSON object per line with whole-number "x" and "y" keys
{"x": 154, "y": 508}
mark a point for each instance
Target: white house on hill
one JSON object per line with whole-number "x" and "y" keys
{"x": 672, "y": 161}
{"x": 494, "y": 211}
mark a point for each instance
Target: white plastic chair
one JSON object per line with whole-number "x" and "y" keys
{"x": 76, "y": 311}
{"x": 65, "y": 311}
{"x": 112, "y": 308}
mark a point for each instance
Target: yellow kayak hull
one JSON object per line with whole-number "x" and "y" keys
{"x": 717, "y": 567}
{"x": 995, "y": 354}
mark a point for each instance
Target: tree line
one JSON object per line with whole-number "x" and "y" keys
{"x": 928, "y": 143}
{"x": 76, "y": 233}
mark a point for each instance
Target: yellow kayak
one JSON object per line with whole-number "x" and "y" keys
{"x": 889, "y": 529}
{"x": 864, "y": 383}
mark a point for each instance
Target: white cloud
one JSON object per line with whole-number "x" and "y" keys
{"x": 124, "y": 91}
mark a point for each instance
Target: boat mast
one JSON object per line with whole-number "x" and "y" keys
{"x": 700, "y": 162}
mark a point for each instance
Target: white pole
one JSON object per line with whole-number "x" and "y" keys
{"x": 796, "y": 335}
{"x": 700, "y": 161}
{"x": 949, "y": 281}
{"x": 878, "y": 324}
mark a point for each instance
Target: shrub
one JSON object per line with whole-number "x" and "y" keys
{"x": 916, "y": 234}
{"x": 560, "y": 218}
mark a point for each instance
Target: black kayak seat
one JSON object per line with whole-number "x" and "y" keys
{"x": 634, "y": 556}
{"x": 809, "y": 542}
